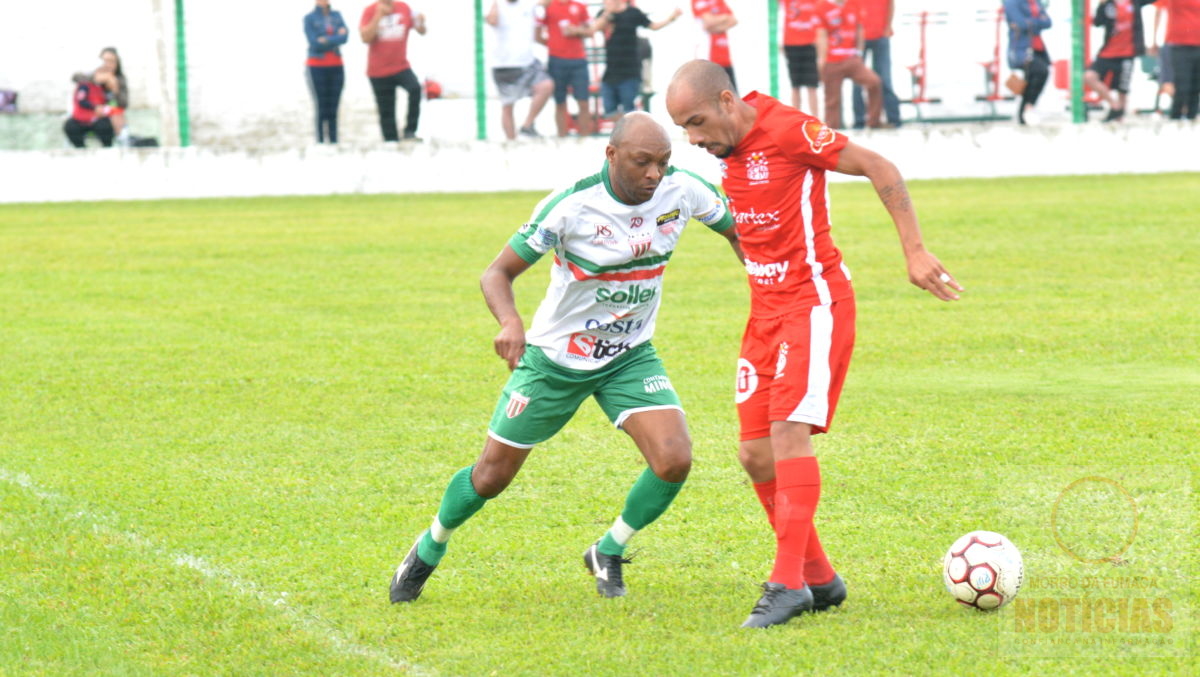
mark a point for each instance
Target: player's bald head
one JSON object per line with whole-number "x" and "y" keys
{"x": 699, "y": 81}
{"x": 638, "y": 128}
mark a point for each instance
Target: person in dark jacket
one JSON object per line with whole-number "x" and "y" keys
{"x": 1026, "y": 50}
{"x": 1110, "y": 73}
{"x": 325, "y": 31}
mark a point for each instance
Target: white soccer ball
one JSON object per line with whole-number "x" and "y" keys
{"x": 983, "y": 570}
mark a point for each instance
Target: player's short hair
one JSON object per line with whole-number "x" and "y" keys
{"x": 706, "y": 79}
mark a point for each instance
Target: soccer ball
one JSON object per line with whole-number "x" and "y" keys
{"x": 983, "y": 570}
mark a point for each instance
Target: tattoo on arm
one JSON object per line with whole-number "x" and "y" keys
{"x": 895, "y": 197}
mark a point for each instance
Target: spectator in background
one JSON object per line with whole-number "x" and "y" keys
{"x": 89, "y": 113}
{"x": 714, "y": 19}
{"x": 1164, "y": 73}
{"x": 515, "y": 69}
{"x": 1110, "y": 73}
{"x": 110, "y": 76}
{"x": 622, "y": 78}
{"x": 841, "y": 22}
{"x": 1183, "y": 35}
{"x": 1026, "y": 49}
{"x": 877, "y": 43}
{"x": 565, "y": 28}
{"x": 800, "y": 48}
{"x": 325, "y": 31}
{"x": 385, "y": 26}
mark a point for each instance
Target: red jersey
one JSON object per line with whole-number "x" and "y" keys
{"x": 800, "y": 22}
{"x": 841, "y": 23}
{"x": 1183, "y": 22}
{"x": 88, "y": 103}
{"x": 718, "y": 43}
{"x": 1120, "y": 42}
{"x": 388, "y": 52}
{"x": 775, "y": 180}
{"x": 874, "y": 18}
{"x": 558, "y": 15}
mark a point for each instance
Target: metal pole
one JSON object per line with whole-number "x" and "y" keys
{"x": 1079, "y": 22}
{"x": 181, "y": 82}
{"x": 773, "y": 44}
{"x": 480, "y": 100}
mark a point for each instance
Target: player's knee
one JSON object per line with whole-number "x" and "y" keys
{"x": 489, "y": 479}
{"x": 674, "y": 461}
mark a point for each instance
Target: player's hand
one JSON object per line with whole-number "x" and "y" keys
{"x": 925, "y": 271}
{"x": 510, "y": 344}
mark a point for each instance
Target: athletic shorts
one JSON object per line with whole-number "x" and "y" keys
{"x": 1116, "y": 73}
{"x": 541, "y": 396}
{"x": 570, "y": 74}
{"x": 792, "y": 368}
{"x": 517, "y": 83}
{"x": 802, "y": 65}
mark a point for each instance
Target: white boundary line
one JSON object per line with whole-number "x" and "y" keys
{"x": 305, "y": 620}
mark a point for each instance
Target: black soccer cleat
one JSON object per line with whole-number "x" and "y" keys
{"x": 410, "y": 576}
{"x": 829, "y": 595}
{"x": 778, "y": 605}
{"x": 607, "y": 570}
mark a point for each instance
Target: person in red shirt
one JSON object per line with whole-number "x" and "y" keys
{"x": 565, "y": 27}
{"x": 841, "y": 21}
{"x": 797, "y": 344}
{"x": 877, "y": 45}
{"x": 385, "y": 26}
{"x": 715, "y": 18}
{"x": 1183, "y": 35}
{"x": 89, "y": 113}
{"x": 1110, "y": 73}
{"x": 800, "y": 48}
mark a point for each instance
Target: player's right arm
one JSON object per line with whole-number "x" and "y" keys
{"x": 497, "y": 286}
{"x": 369, "y": 28}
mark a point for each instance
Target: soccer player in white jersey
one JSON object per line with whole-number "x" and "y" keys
{"x": 611, "y": 235}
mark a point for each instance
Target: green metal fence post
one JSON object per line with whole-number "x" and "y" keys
{"x": 480, "y": 100}
{"x": 181, "y": 81}
{"x": 773, "y": 44}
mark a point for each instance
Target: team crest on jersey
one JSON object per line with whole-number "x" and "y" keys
{"x": 516, "y": 404}
{"x": 724, "y": 170}
{"x": 818, "y": 135}
{"x": 639, "y": 246}
{"x": 756, "y": 167}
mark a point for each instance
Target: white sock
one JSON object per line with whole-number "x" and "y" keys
{"x": 439, "y": 533}
{"x": 621, "y": 532}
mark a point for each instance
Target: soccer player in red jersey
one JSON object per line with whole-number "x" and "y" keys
{"x": 798, "y": 340}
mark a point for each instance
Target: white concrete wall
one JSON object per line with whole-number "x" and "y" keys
{"x": 919, "y": 151}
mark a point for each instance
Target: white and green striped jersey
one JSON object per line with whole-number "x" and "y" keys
{"x": 609, "y": 258}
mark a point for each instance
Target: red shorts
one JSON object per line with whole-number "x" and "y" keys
{"x": 792, "y": 368}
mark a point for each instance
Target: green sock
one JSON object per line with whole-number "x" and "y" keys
{"x": 458, "y": 504}
{"x": 647, "y": 501}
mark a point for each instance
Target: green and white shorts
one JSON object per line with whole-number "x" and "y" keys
{"x": 541, "y": 396}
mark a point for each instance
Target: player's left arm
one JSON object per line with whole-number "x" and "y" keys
{"x": 924, "y": 269}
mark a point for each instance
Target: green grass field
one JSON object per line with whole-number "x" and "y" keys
{"x": 223, "y": 422}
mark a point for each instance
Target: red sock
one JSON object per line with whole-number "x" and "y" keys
{"x": 816, "y": 566}
{"x": 766, "y": 496}
{"x": 797, "y": 489}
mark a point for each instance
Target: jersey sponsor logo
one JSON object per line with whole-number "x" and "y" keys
{"x": 761, "y": 221}
{"x": 617, "y": 326}
{"x": 631, "y": 295}
{"x": 604, "y": 234}
{"x": 636, "y": 222}
{"x": 747, "y": 381}
{"x": 767, "y": 273}
{"x": 603, "y": 230}
{"x": 819, "y": 136}
{"x": 756, "y": 167}
{"x": 724, "y": 170}
{"x": 588, "y": 346}
{"x": 781, "y": 361}
{"x": 664, "y": 219}
{"x": 516, "y": 404}
{"x": 640, "y": 246}
{"x": 654, "y": 384}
